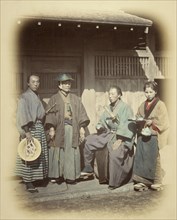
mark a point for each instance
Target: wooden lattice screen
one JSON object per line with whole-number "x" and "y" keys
{"x": 129, "y": 66}
{"x": 120, "y": 66}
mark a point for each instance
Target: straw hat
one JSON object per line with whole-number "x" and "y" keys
{"x": 30, "y": 151}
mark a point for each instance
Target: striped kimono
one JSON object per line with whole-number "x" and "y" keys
{"x": 30, "y": 111}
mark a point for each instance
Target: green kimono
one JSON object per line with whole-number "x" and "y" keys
{"x": 121, "y": 159}
{"x": 64, "y": 154}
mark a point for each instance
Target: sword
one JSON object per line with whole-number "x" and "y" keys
{"x": 114, "y": 118}
{"x": 50, "y": 108}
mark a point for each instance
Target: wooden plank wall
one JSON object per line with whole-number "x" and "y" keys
{"x": 129, "y": 73}
{"x": 132, "y": 90}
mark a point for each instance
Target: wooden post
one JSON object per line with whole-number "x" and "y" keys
{"x": 88, "y": 95}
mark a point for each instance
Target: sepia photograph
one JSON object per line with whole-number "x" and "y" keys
{"x": 88, "y": 109}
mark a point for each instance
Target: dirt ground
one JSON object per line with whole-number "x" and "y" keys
{"x": 90, "y": 200}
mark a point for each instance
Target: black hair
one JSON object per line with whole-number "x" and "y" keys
{"x": 152, "y": 84}
{"x": 119, "y": 91}
{"x": 28, "y": 78}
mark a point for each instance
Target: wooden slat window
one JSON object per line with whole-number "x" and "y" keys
{"x": 120, "y": 66}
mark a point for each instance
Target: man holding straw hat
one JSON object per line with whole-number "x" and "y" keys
{"x": 32, "y": 158}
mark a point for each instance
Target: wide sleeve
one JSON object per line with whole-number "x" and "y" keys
{"x": 83, "y": 117}
{"x": 126, "y": 128}
{"x": 161, "y": 120}
{"x": 24, "y": 117}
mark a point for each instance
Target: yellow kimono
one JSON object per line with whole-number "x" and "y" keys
{"x": 160, "y": 119}
{"x": 147, "y": 168}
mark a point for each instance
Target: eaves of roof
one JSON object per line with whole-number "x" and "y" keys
{"x": 118, "y": 18}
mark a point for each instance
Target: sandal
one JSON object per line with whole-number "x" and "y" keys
{"x": 140, "y": 187}
{"x": 30, "y": 188}
{"x": 112, "y": 187}
{"x": 157, "y": 187}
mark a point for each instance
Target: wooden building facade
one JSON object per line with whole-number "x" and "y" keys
{"x": 98, "y": 52}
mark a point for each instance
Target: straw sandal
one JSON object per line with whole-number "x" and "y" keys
{"x": 157, "y": 187}
{"x": 140, "y": 187}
